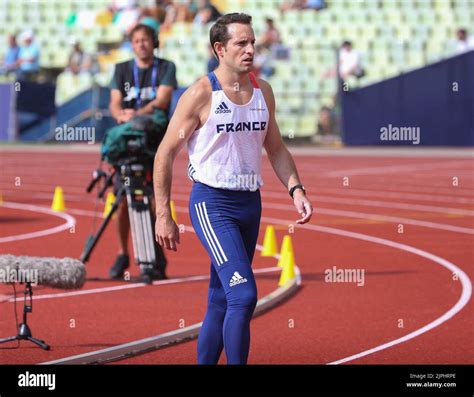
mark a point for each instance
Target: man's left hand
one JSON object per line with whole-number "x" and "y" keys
{"x": 303, "y": 206}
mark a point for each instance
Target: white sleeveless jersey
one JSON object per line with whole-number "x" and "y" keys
{"x": 226, "y": 152}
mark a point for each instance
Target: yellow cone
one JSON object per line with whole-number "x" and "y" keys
{"x": 285, "y": 247}
{"x": 269, "y": 242}
{"x": 288, "y": 271}
{"x": 58, "y": 204}
{"x": 173, "y": 212}
{"x": 109, "y": 201}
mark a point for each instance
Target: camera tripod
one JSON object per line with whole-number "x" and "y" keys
{"x": 138, "y": 193}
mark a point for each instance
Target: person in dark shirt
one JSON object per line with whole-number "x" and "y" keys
{"x": 142, "y": 86}
{"x": 9, "y": 63}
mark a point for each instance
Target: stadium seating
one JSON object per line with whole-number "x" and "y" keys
{"x": 393, "y": 36}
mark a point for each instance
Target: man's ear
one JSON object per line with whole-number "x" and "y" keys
{"x": 219, "y": 48}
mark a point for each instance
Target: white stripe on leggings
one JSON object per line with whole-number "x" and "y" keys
{"x": 207, "y": 235}
{"x": 212, "y": 231}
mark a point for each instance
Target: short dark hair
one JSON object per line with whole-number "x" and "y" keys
{"x": 219, "y": 31}
{"x": 149, "y": 31}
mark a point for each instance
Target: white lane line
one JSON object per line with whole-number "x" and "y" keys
{"x": 46, "y": 196}
{"x": 366, "y": 203}
{"x": 403, "y": 206}
{"x": 460, "y": 304}
{"x": 383, "y": 218}
{"x": 122, "y": 287}
{"x": 70, "y": 222}
{"x": 343, "y": 213}
{"x": 454, "y": 192}
{"x": 127, "y": 286}
{"x": 387, "y": 204}
{"x": 398, "y": 195}
{"x": 453, "y": 269}
{"x": 41, "y": 187}
{"x": 321, "y": 198}
{"x": 417, "y": 167}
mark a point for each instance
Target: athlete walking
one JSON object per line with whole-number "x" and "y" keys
{"x": 226, "y": 118}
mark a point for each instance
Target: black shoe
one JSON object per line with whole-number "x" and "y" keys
{"x": 121, "y": 263}
{"x": 149, "y": 274}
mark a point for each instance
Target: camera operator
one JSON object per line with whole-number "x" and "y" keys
{"x": 141, "y": 92}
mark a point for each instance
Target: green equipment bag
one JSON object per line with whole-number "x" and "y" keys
{"x": 149, "y": 129}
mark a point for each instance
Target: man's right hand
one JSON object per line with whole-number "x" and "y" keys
{"x": 166, "y": 232}
{"x": 125, "y": 115}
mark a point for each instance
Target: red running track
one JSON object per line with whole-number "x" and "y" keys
{"x": 414, "y": 305}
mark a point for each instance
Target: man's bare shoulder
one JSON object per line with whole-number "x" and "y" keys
{"x": 199, "y": 93}
{"x": 266, "y": 90}
{"x": 264, "y": 85}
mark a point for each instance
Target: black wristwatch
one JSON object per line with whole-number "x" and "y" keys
{"x": 299, "y": 186}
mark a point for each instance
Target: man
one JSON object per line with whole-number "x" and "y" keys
{"x": 9, "y": 63}
{"x": 225, "y": 119}
{"x": 142, "y": 86}
{"x": 28, "y": 58}
{"x": 349, "y": 61}
{"x": 79, "y": 61}
{"x": 464, "y": 43}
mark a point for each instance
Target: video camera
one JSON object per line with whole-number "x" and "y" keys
{"x": 131, "y": 150}
{"x": 136, "y": 143}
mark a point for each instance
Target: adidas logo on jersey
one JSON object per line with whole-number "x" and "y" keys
{"x": 222, "y": 108}
{"x": 237, "y": 279}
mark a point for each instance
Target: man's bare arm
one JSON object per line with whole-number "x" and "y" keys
{"x": 279, "y": 156}
{"x": 281, "y": 159}
{"x": 184, "y": 122}
{"x": 115, "y": 105}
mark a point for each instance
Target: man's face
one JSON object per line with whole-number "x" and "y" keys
{"x": 142, "y": 45}
{"x": 461, "y": 35}
{"x": 240, "y": 49}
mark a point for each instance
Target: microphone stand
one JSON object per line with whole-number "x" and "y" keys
{"x": 24, "y": 331}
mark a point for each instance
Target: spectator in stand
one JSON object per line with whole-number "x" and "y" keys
{"x": 170, "y": 10}
{"x": 156, "y": 12}
{"x": 79, "y": 61}
{"x": 315, "y": 5}
{"x": 206, "y": 12}
{"x": 302, "y": 5}
{"x": 270, "y": 36}
{"x": 464, "y": 43}
{"x": 349, "y": 61}
{"x": 326, "y": 121}
{"x": 28, "y": 57}
{"x": 212, "y": 62}
{"x": 187, "y": 11}
{"x": 128, "y": 14}
{"x": 9, "y": 63}
{"x": 262, "y": 62}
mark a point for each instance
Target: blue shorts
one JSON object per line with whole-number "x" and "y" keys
{"x": 227, "y": 223}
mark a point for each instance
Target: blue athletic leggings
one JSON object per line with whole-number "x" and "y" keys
{"x": 227, "y": 223}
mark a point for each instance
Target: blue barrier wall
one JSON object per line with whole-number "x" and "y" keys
{"x": 82, "y": 104}
{"x": 7, "y": 112}
{"x": 437, "y": 99}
